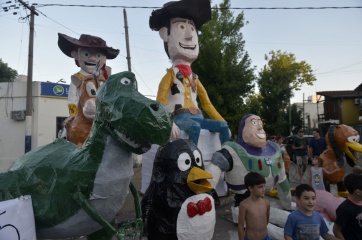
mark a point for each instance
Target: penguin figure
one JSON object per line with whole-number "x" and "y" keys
{"x": 175, "y": 205}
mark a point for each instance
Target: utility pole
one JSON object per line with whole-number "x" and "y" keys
{"x": 127, "y": 40}
{"x": 29, "y": 85}
{"x": 303, "y": 113}
{"x": 290, "y": 119}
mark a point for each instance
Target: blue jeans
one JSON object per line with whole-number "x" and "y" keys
{"x": 192, "y": 124}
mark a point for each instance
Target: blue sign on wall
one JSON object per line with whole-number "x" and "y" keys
{"x": 54, "y": 90}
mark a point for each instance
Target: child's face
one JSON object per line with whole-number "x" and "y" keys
{"x": 307, "y": 201}
{"x": 258, "y": 190}
{"x": 315, "y": 161}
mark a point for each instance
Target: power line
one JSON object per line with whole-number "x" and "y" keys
{"x": 231, "y": 8}
{"x": 58, "y": 23}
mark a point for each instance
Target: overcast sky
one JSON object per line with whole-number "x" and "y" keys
{"x": 329, "y": 40}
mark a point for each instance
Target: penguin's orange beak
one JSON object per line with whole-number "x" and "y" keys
{"x": 197, "y": 180}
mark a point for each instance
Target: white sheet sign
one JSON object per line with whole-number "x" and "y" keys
{"x": 17, "y": 219}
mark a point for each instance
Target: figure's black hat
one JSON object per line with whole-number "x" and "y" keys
{"x": 199, "y": 11}
{"x": 68, "y": 44}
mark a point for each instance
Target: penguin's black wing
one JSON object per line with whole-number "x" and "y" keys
{"x": 146, "y": 205}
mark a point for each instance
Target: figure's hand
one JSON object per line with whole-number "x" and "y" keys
{"x": 89, "y": 109}
{"x": 223, "y": 160}
{"x": 175, "y": 133}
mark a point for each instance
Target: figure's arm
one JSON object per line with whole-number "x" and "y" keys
{"x": 164, "y": 87}
{"x": 330, "y": 172}
{"x": 337, "y": 231}
{"x": 163, "y": 90}
{"x": 206, "y": 103}
{"x": 241, "y": 221}
{"x": 221, "y": 161}
{"x": 328, "y": 236}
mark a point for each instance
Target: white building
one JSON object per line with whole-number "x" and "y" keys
{"x": 312, "y": 107}
{"x": 49, "y": 110}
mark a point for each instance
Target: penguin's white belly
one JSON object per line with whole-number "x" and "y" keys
{"x": 198, "y": 226}
{"x": 111, "y": 187}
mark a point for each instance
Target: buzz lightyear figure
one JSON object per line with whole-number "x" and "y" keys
{"x": 251, "y": 153}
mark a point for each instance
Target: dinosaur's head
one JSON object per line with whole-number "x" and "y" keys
{"x": 347, "y": 140}
{"x": 131, "y": 119}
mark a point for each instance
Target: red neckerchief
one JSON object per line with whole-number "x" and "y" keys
{"x": 185, "y": 69}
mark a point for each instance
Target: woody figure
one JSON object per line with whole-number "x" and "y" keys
{"x": 177, "y": 23}
{"x": 90, "y": 54}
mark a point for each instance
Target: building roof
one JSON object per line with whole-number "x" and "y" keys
{"x": 340, "y": 94}
{"x": 359, "y": 88}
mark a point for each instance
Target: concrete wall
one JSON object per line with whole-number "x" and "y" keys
{"x": 12, "y": 133}
{"x": 350, "y": 112}
{"x": 311, "y": 111}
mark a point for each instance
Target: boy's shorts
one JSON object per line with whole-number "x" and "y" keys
{"x": 302, "y": 160}
{"x": 266, "y": 238}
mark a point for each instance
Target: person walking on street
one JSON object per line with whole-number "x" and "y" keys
{"x": 317, "y": 145}
{"x": 300, "y": 149}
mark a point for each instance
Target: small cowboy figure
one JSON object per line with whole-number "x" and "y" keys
{"x": 90, "y": 54}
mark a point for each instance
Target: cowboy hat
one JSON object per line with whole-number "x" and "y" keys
{"x": 68, "y": 44}
{"x": 197, "y": 10}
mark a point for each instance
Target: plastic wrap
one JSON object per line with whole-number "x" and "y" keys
{"x": 178, "y": 175}
{"x": 101, "y": 170}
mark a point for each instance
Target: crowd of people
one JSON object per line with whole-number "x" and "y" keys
{"x": 305, "y": 222}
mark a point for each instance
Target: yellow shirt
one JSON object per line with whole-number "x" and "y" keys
{"x": 176, "y": 90}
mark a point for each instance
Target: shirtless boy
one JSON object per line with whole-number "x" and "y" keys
{"x": 254, "y": 211}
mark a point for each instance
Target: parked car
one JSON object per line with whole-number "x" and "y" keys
{"x": 288, "y": 141}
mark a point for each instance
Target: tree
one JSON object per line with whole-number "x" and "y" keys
{"x": 276, "y": 82}
{"x": 254, "y": 104}
{"x": 7, "y": 74}
{"x": 223, "y": 66}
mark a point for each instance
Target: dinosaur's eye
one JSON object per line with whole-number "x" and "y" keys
{"x": 184, "y": 161}
{"x": 126, "y": 81}
{"x": 91, "y": 89}
{"x": 353, "y": 139}
{"x": 198, "y": 158}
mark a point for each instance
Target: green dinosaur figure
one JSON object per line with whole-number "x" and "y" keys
{"x": 68, "y": 183}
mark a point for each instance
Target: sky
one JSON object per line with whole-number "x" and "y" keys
{"x": 330, "y": 40}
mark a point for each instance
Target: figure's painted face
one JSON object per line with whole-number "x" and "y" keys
{"x": 253, "y": 132}
{"x": 88, "y": 58}
{"x": 183, "y": 42}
